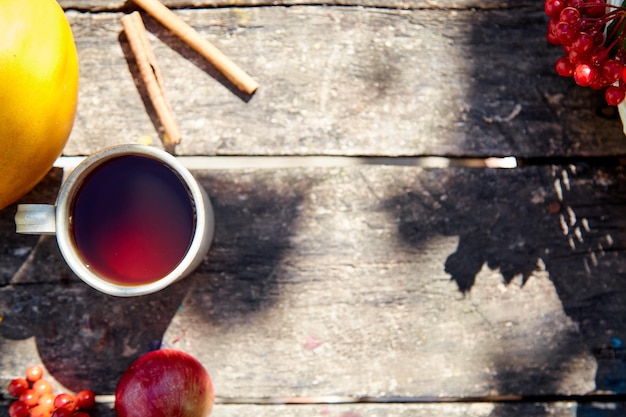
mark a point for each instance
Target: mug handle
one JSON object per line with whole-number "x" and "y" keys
{"x": 35, "y": 219}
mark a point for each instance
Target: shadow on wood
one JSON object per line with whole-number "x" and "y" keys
{"x": 541, "y": 221}
{"x": 253, "y": 229}
{"x": 515, "y": 96}
{"x": 578, "y": 243}
{"x": 86, "y": 339}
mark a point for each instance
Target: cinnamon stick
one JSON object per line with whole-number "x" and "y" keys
{"x": 151, "y": 75}
{"x": 191, "y": 37}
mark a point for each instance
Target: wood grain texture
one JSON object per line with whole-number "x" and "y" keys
{"x": 361, "y": 282}
{"x": 116, "y": 5}
{"x": 396, "y": 287}
{"x": 559, "y": 409}
{"x": 347, "y": 81}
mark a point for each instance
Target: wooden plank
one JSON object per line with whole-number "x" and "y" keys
{"x": 116, "y": 5}
{"x": 394, "y": 410}
{"x": 346, "y": 282}
{"x": 347, "y": 81}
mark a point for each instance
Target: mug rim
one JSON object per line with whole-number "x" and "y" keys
{"x": 70, "y": 189}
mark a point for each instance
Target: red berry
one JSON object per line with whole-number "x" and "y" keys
{"x": 29, "y": 397}
{"x": 597, "y": 34}
{"x": 564, "y": 67}
{"x": 18, "y": 409}
{"x": 17, "y": 386}
{"x": 565, "y": 33}
{"x": 47, "y": 400}
{"x": 553, "y": 8}
{"x": 576, "y": 57}
{"x": 599, "y": 83}
{"x": 80, "y": 414}
{"x": 614, "y": 95}
{"x": 595, "y": 8}
{"x": 611, "y": 70}
{"x": 583, "y": 43}
{"x": 569, "y": 15}
{"x": 40, "y": 411}
{"x": 86, "y": 399}
{"x": 65, "y": 401}
{"x": 552, "y": 39}
{"x": 552, "y": 24}
{"x": 61, "y": 412}
{"x": 599, "y": 55}
{"x": 43, "y": 386}
{"x": 552, "y": 32}
{"x": 34, "y": 373}
{"x": 585, "y": 74}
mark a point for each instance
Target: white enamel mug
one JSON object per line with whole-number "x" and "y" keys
{"x": 110, "y": 255}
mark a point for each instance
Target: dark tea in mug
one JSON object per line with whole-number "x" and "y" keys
{"x": 132, "y": 220}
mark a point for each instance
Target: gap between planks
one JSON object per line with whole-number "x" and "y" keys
{"x": 591, "y": 398}
{"x": 286, "y": 161}
{"x": 274, "y": 162}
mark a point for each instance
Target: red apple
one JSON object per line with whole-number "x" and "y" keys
{"x": 164, "y": 383}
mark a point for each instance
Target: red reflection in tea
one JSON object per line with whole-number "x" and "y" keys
{"x": 133, "y": 220}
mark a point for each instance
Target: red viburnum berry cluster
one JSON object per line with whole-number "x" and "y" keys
{"x": 592, "y": 37}
{"x": 34, "y": 397}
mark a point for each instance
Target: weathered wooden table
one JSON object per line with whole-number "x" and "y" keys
{"x": 368, "y": 259}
